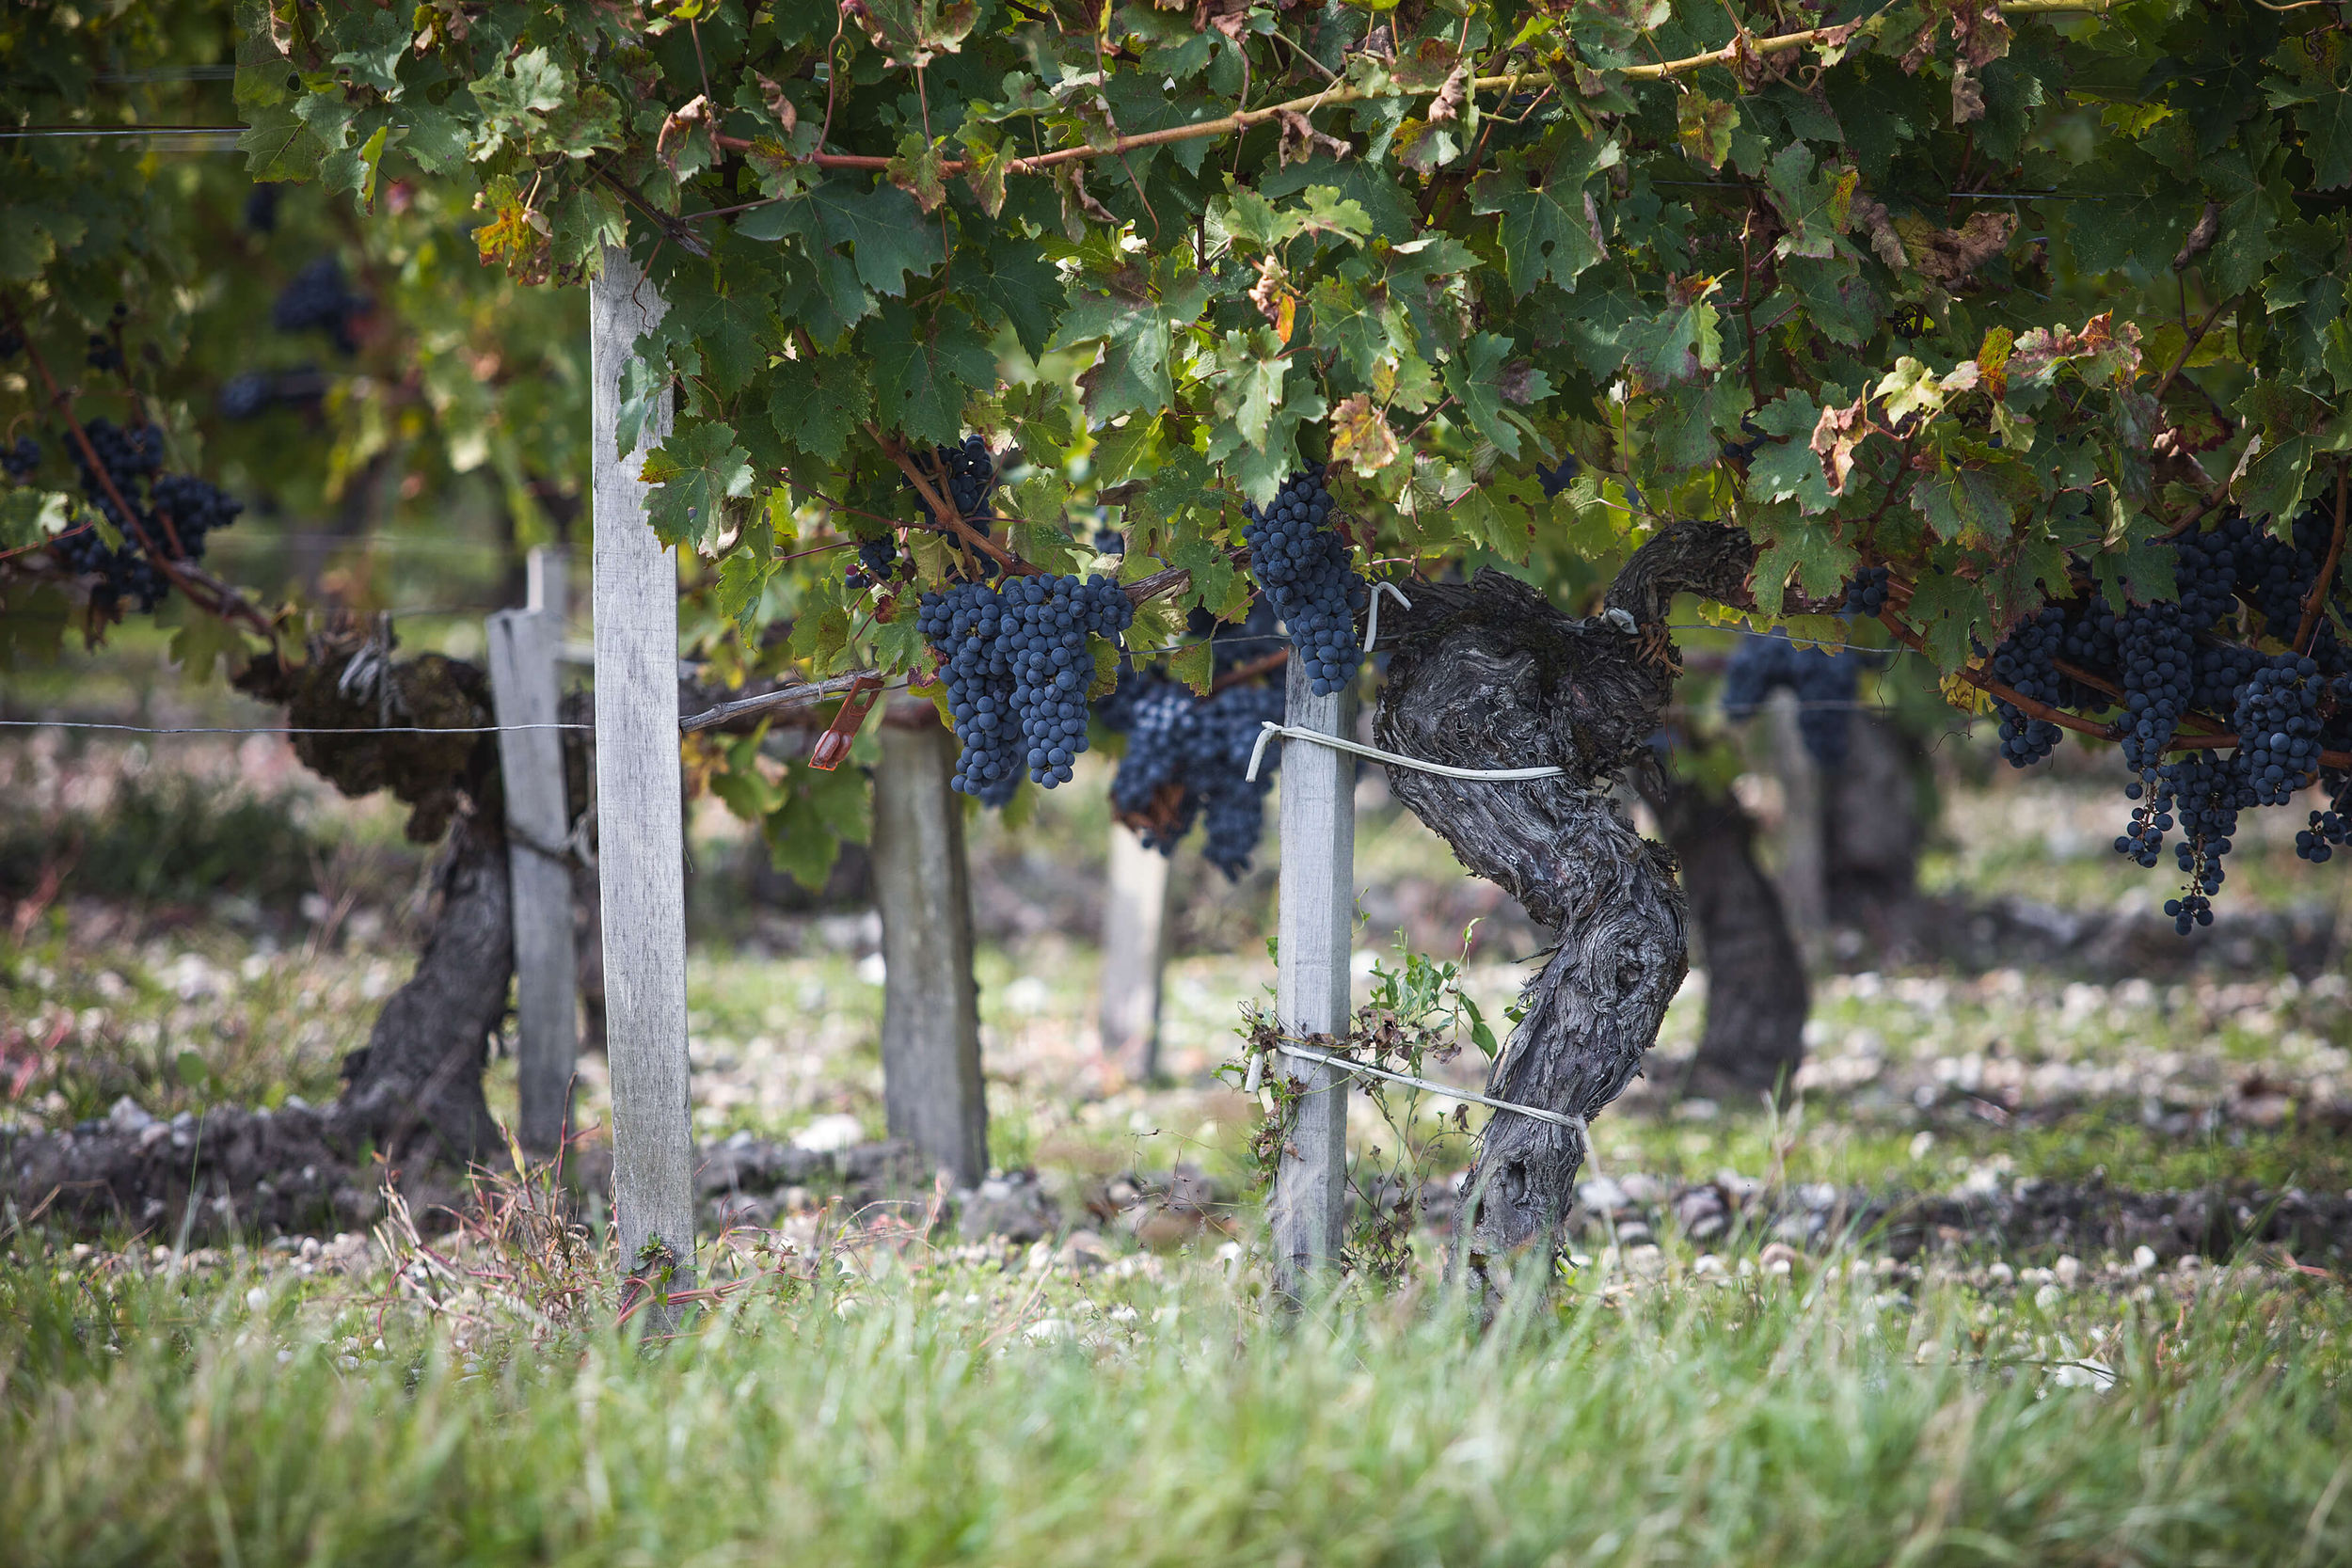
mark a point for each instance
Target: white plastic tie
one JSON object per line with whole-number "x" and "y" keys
{"x": 1268, "y": 729}
{"x": 1308, "y": 1053}
{"x": 1371, "y": 617}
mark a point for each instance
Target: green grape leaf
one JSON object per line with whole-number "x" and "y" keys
{"x": 816, "y": 404}
{"x": 1549, "y": 229}
{"x": 925, "y": 367}
{"x": 694, "y": 475}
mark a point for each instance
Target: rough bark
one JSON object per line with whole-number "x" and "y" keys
{"x": 415, "y": 1089}
{"x": 1489, "y": 675}
{"x": 1757, "y": 997}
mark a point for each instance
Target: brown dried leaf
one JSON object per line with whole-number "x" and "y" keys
{"x": 1834, "y": 437}
{"x": 779, "y": 103}
{"x": 1451, "y": 96}
{"x": 1300, "y": 139}
{"x": 1950, "y": 257}
{"x": 2200, "y": 238}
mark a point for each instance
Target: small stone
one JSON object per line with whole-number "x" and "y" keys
{"x": 1707, "y": 1264}
{"x": 2143, "y": 1259}
{"x": 2048, "y": 1296}
{"x": 1645, "y": 1261}
{"x": 1601, "y": 1195}
{"x": 2001, "y": 1274}
{"x": 2069, "y": 1271}
{"x": 1778, "y": 1257}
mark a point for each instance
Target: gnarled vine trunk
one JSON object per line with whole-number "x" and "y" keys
{"x": 1489, "y": 675}
{"x": 414, "y": 1093}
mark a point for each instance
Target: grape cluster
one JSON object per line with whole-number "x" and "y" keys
{"x": 317, "y": 299}
{"x": 2208, "y": 792}
{"x": 1017, "y": 668}
{"x": 877, "y": 562}
{"x": 1825, "y": 683}
{"x": 2158, "y": 655}
{"x": 248, "y": 396}
{"x": 21, "y": 460}
{"x": 1187, "y": 761}
{"x": 261, "y": 207}
{"x": 1865, "y": 591}
{"x": 2329, "y": 828}
{"x": 170, "y": 513}
{"x": 2026, "y": 662}
{"x": 1302, "y": 564}
{"x": 2238, "y": 587}
{"x": 2278, "y": 726}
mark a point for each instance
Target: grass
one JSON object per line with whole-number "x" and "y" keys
{"x": 880, "y": 1413}
{"x": 889, "y": 1404}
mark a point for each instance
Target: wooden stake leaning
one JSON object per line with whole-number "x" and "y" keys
{"x": 1317, "y": 925}
{"x": 639, "y": 809}
{"x": 523, "y": 650}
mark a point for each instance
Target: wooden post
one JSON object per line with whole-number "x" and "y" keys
{"x": 1803, "y": 828}
{"x": 641, "y": 853}
{"x": 931, "y": 1040}
{"x": 538, "y": 823}
{"x": 1135, "y": 952}
{"x": 1317, "y": 925}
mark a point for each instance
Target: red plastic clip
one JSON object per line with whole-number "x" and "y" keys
{"x": 832, "y": 747}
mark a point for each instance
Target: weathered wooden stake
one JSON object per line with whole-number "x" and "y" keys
{"x": 538, "y": 822}
{"x": 1317, "y": 925}
{"x": 640, "y": 854}
{"x": 1134, "y": 953}
{"x": 931, "y": 1040}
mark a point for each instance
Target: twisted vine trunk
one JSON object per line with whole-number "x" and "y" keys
{"x": 1489, "y": 675}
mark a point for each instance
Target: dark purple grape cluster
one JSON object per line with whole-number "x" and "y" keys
{"x": 1017, "y": 665}
{"x": 1303, "y": 564}
{"x": 248, "y": 396}
{"x": 971, "y": 476}
{"x": 2277, "y": 727}
{"x": 877, "y": 562}
{"x": 1824, "y": 680}
{"x": 2159, "y": 656}
{"x": 1865, "y": 591}
{"x": 21, "y": 460}
{"x": 2027, "y": 662}
{"x": 318, "y": 300}
{"x": 1202, "y": 746}
{"x": 171, "y": 513}
{"x": 2207, "y": 791}
{"x": 2329, "y": 828}
{"x": 261, "y": 207}
{"x": 971, "y": 479}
